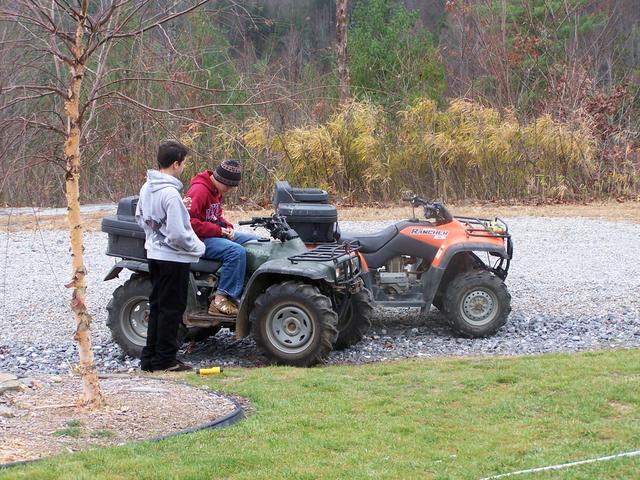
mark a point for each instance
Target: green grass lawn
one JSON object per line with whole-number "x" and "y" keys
{"x": 423, "y": 419}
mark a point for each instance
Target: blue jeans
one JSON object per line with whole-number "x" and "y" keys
{"x": 234, "y": 262}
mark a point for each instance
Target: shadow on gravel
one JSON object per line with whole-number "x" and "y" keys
{"x": 394, "y": 333}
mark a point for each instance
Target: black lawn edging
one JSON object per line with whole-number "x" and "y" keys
{"x": 226, "y": 421}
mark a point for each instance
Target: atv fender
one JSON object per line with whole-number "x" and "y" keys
{"x": 431, "y": 280}
{"x": 272, "y": 272}
{"x": 132, "y": 265}
{"x": 441, "y": 261}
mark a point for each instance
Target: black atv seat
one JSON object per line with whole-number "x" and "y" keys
{"x": 206, "y": 266}
{"x": 371, "y": 243}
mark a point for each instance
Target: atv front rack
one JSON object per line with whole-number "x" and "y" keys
{"x": 482, "y": 227}
{"x": 342, "y": 255}
{"x": 331, "y": 252}
{"x": 498, "y": 228}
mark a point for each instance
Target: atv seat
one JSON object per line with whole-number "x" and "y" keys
{"x": 371, "y": 243}
{"x": 206, "y": 266}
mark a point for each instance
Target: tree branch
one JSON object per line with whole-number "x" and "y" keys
{"x": 193, "y": 107}
{"x": 41, "y": 12}
{"x": 33, "y": 87}
{"x": 168, "y": 80}
{"x": 145, "y": 28}
{"x": 18, "y": 100}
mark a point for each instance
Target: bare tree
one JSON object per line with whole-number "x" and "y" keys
{"x": 342, "y": 7}
{"x": 71, "y": 33}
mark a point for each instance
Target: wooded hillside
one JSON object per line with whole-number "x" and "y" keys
{"x": 475, "y": 99}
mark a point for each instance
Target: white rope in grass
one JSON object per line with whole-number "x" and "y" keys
{"x": 565, "y": 465}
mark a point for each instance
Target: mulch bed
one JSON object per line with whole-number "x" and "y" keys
{"x": 43, "y": 417}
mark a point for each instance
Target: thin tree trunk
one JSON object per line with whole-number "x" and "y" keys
{"x": 90, "y": 386}
{"x": 341, "y": 39}
{"x": 503, "y": 23}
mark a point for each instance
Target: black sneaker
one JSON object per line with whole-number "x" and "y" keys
{"x": 179, "y": 366}
{"x": 146, "y": 367}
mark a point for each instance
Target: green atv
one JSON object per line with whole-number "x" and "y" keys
{"x": 295, "y": 301}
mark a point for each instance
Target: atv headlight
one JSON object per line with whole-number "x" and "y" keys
{"x": 355, "y": 264}
{"x": 348, "y": 268}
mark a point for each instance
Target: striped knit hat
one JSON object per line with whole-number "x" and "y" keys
{"x": 229, "y": 172}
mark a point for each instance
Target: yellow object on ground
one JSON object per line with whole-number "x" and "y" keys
{"x": 210, "y": 371}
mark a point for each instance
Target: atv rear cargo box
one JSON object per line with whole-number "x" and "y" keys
{"x": 314, "y": 222}
{"x": 285, "y": 193}
{"x": 126, "y": 238}
{"x": 307, "y": 211}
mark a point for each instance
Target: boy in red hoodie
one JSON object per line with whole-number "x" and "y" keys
{"x": 222, "y": 242}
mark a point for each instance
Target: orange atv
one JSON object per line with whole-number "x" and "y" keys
{"x": 416, "y": 263}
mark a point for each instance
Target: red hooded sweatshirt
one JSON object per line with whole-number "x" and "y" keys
{"x": 206, "y": 207}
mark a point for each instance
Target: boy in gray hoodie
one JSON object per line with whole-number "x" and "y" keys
{"x": 171, "y": 247}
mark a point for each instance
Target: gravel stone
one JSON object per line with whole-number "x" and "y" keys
{"x": 11, "y": 385}
{"x": 6, "y": 412}
{"x": 573, "y": 283}
{"x": 7, "y": 377}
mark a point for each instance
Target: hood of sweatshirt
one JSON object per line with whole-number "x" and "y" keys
{"x": 165, "y": 220}
{"x": 204, "y": 178}
{"x": 159, "y": 181}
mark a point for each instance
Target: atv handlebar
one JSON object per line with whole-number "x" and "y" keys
{"x": 435, "y": 210}
{"x": 276, "y": 225}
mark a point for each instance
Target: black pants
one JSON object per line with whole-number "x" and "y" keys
{"x": 167, "y": 303}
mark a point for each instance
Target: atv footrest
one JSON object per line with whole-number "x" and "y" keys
{"x": 203, "y": 319}
{"x": 401, "y": 303}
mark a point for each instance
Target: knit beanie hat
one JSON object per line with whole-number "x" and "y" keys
{"x": 229, "y": 172}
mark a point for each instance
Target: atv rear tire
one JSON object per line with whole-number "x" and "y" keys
{"x": 356, "y": 321}
{"x": 128, "y": 315}
{"x": 476, "y": 303}
{"x": 294, "y": 324}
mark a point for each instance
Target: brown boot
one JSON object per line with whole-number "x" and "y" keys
{"x": 224, "y": 307}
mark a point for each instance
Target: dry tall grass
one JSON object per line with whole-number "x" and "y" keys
{"x": 361, "y": 153}
{"x": 465, "y": 151}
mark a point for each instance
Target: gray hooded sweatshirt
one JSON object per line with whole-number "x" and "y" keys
{"x": 165, "y": 220}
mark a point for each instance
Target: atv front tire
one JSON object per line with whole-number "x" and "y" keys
{"x": 356, "y": 321}
{"x": 128, "y": 315}
{"x": 476, "y": 303}
{"x": 294, "y": 324}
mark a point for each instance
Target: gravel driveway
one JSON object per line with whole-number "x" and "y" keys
{"x": 575, "y": 285}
